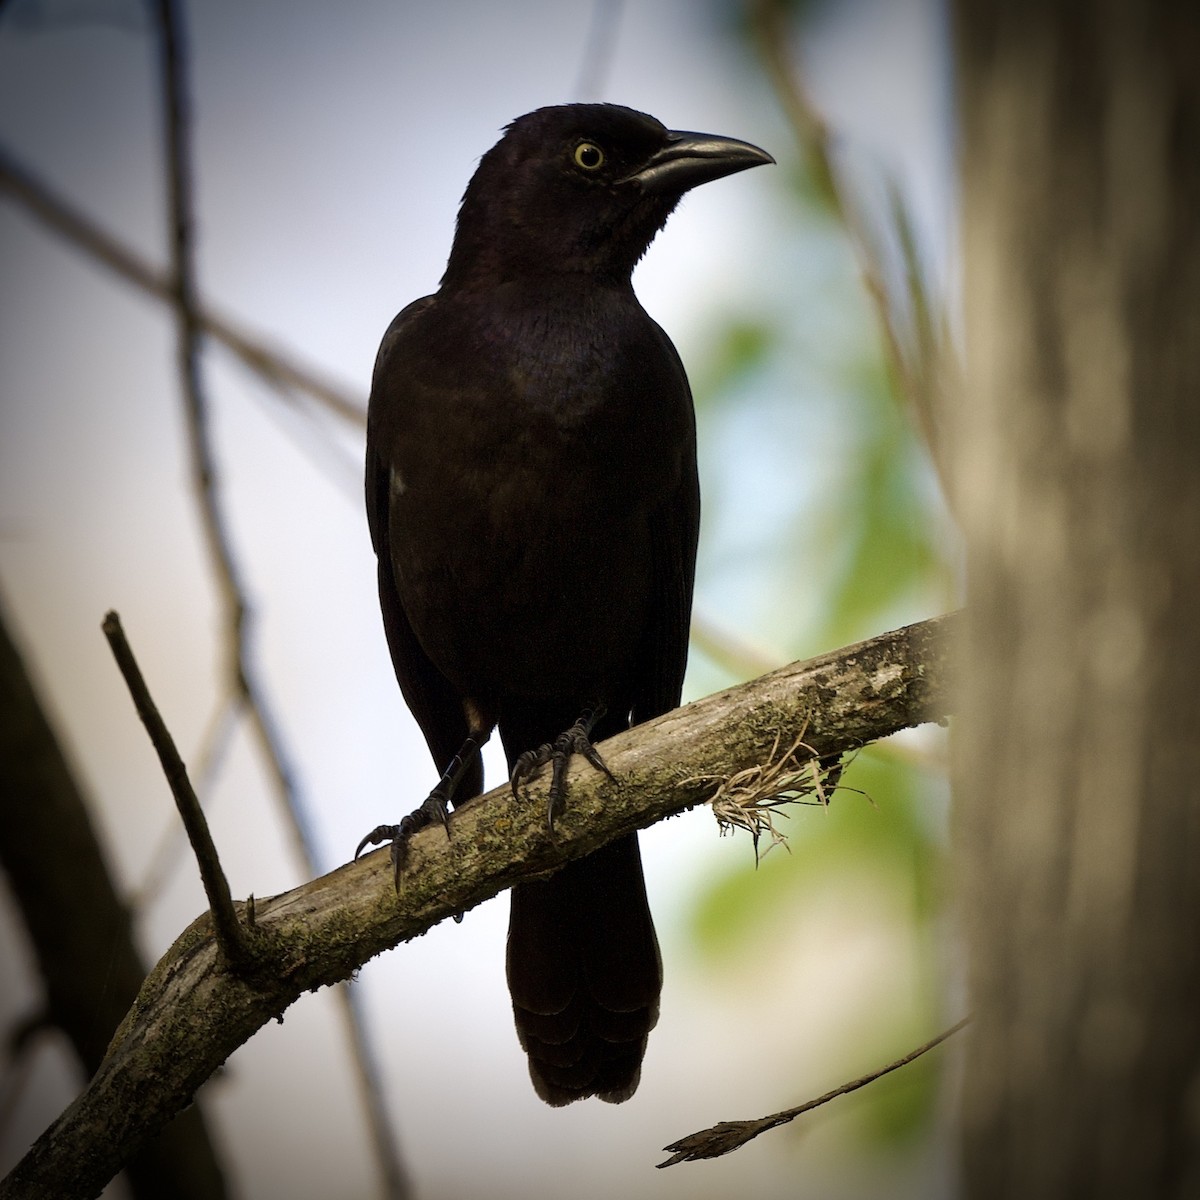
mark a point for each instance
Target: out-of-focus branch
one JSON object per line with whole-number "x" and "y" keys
{"x": 278, "y": 369}
{"x": 79, "y": 930}
{"x": 728, "y": 1136}
{"x": 925, "y": 371}
{"x": 205, "y": 474}
{"x": 598, "y": 48}
{"x": 240, "y": 674}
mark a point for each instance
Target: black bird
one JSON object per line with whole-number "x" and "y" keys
{"x": 533, "y": 503}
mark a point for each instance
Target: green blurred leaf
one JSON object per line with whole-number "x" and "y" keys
{"x": 741, "y": 346}
{"x": 884, "y": 835}
{"x": 810, "y": 554}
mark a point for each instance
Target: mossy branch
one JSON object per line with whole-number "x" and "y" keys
{"x": 194, "y": 1011}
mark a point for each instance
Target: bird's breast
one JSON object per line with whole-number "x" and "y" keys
{"x": 526, "y": 472}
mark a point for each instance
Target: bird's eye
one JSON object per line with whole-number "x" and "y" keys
{"x": 589, "y": 156}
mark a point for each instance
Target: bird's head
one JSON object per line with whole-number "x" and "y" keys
{"x": 580, "y": 189}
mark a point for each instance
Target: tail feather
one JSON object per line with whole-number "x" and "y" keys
{"x": 585, "y": 975}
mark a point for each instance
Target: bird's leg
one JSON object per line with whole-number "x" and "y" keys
{"x": 576, "y": 740}
{"x": 435, "y": 806}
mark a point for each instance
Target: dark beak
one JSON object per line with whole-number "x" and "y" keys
{"x": 690, "y": 159}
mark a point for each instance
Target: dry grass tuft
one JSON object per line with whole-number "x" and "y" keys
{"x": 752, "y": 798}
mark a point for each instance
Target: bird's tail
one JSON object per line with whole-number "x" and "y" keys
{"x": 585, "y": 975}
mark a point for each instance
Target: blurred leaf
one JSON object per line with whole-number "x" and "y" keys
{"x": 825, "y": 525}
{"x": 742, "y": 345}
{"x": 885, "y": 835}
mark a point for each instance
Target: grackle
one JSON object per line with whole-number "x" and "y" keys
{"x": 533, "y": 503}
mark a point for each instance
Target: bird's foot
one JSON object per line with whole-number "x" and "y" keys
{"x": 433, "y": 808}
{"x": 576, "y": 740}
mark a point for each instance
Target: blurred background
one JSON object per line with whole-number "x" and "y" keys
{"x": 331, "y": 145}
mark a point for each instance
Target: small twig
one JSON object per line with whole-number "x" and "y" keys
{"x": 728, "y": 651}
{"x": 229, "y": 931}
{"x": 730, "y": 1135}
{"x": 211, "y": 754}
{"x": 918, "y": 375}
{"x": 598, "y": 49}
{"x": 205, "y": 474}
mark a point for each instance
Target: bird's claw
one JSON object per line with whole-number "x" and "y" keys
{"x": 576, "y": 740}
{"x": 433, "y": 808}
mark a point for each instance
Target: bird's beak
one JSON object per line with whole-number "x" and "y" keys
{"x": 690, "y": 159}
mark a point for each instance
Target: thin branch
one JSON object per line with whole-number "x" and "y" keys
{"x": 249, "y": 694}
{"x": 732, "y": 1135}
{"x": 278, "y": 369}
{"x": 209, "y": 757}
{"x": 396, "y": 1183}
{"x": 728, "y": 651}
{"x": 79, "y": 929}
{"x": 229, "y": 931}
{"x": 205, "y": 475}
{"x": 923, "y": 375}
{"x": 598, "y": 49}
{"x": 194, "y": 1012}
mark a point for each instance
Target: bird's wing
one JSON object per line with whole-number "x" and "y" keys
{"x": 675, "y": 533}
{"x": 378, "y": 477}
{"x": 434, "y": 702}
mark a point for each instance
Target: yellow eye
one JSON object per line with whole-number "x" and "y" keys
{"x": 589, "y": 156}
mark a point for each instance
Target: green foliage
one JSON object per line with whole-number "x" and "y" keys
{"x": 873, "y": 824}
{"x": 829, "y": 530}
{"x": 742, "y": 346}
{"x": 880, "y": 527}
{"x": 875, "y": 838}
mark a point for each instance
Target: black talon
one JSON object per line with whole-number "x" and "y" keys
{"x": 377, "y": 836}
{"x": 576, "y": 740}
{"x": 433, "y": 808}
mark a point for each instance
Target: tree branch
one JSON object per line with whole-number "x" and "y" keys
{"x": 78, "y": 926}
{"x": 279, "y": 369}
{"x": 727, "y": 1136}
{"x": 205, "y": 473}
{"x": 924, "y": 366}
{"x": 230, "y": 933}
{"x": 193, "y": 1012}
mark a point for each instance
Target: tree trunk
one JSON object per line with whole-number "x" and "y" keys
{"x": 1078, "y": 754}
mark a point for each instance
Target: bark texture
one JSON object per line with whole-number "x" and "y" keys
{"x": 1078, "y": 764}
